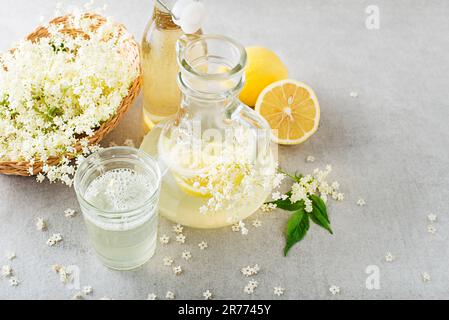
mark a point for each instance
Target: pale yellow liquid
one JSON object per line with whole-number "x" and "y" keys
{"x": 161, "y": 95}
{"x": 181, "y": 207}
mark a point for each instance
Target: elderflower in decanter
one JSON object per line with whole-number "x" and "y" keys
{"x": 216, "y": 156}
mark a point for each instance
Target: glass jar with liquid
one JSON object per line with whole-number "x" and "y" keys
{"x": 216, "y": 155}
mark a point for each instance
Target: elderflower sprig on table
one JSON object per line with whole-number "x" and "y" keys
{"x": 60, "y": 88}
{"x": 307, "y": 201}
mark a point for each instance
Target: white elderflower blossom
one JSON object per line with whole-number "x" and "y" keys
{"x": 353, "y": 94}
{"x": 54, "y": 239}
{"x": 168, "y": 261}
{"x": 203, "y": 245}
{"x": 278, "y": 291}
{"x": 7, "y": 271}
{"x": 235, "y": 227}
{"x": 431, "y": 229}
{"x": 164, "y": 239}
{"x": 310, "y": 159}
{"x": 177, "y": 270}
{"x": 170, "y": 295}
{"x": 14, "y": 282}
{"x": 257, "y": 223}
{"x": 152, "y": 296}
{"x": 78, "y": 296}
{"x": 41, "y": 224}
{"x": 69, "y": 213}
{"x": 425, "y": 277}
{"x": 389, "y": 257}
{"x": 178, "y": 228}
{"x": 181, "y": 238}
{"x": 334, "y": 289}
{"x": 243, "y": 229}
{"x": 361, "y": 202}
{"x": 87, "y": 290}
{"x": 186, "y": 255}
{"x": 268, "y": 207}
{"x": 58, "y": 89}
{"x": 432, "y": 217}
{"x": 207, "y": 295}
{"x": 250, "y": 271}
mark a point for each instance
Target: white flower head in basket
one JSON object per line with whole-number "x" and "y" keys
{"x": 189, "y": 15}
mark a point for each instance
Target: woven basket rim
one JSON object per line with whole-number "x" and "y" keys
{"x": 131, "y": 48}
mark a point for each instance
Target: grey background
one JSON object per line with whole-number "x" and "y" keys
{"x": 389, "y": 146}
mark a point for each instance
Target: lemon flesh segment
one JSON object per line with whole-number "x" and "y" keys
{"x": 292, "y": 110}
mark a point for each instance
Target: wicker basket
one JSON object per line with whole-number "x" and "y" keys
{"x": 130, "y": 51}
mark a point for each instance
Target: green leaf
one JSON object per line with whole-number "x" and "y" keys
{"x": 319, "y": 213}
{"x": 297, "y": 228}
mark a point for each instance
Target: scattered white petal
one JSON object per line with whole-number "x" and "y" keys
{"x": 14, "y": 282}
{"x": 389, "y": 257}
{"x": 248, "y": 289}
{"x": 278, "y": 291}
{"x": 7, "y": 271}
{"x": 250, "y": 271}
{"x": 70, "y": 213}
{"x": 236, "y": 228}
{"x": 178, "y": 228}
{"x": 152, "y": 296}
{"x": 203, "y": 245}
{"x": 253, "y": 283}
{"x": 164, "y": 239}
{"x": 41, "y": 224}
{"x": 425, "y": 277}
{"x": 432, "y": 217}
{"x": 54, "y": 239}
{"x": 186, "y": 255}
{"x": 207, "y": 295}
{"x": 431, "y": 229}
{"x": 170, "y": 295}
{"x": 257, "y": 223}
{"x": 168, "y": 261}
{"x": 78, "y": 296}
{"x": 268, "y": 207}
{"x": 353, "y": 94}
{"x": 361, "y": 202}
{"x": 334, "y": 290}
{"x": 177, "y": 270}
{"x": 87, "y": 290}
{"x": 181, "y": 238}
{"x": 310, "y": 159}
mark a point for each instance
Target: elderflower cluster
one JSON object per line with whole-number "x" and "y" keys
{"x": 315, "y": 183}
{"x": 60, "y": 88}
{"x": 226, "y": 173}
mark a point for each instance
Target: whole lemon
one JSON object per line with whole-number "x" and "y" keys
{"x": 264, "y": 68}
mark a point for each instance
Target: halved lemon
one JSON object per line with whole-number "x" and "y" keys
{"x": 292, "y": 110}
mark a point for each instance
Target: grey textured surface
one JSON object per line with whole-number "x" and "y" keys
{"x": 390, "y": 146}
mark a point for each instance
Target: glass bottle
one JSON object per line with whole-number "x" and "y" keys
{"x": 161, "y": 95}
{"x": 216, "y": 155}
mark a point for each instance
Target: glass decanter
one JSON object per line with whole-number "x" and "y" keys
{"x": 216, "y": 155}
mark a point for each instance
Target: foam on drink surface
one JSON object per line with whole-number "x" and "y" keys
{"x": 119, "y": 190}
